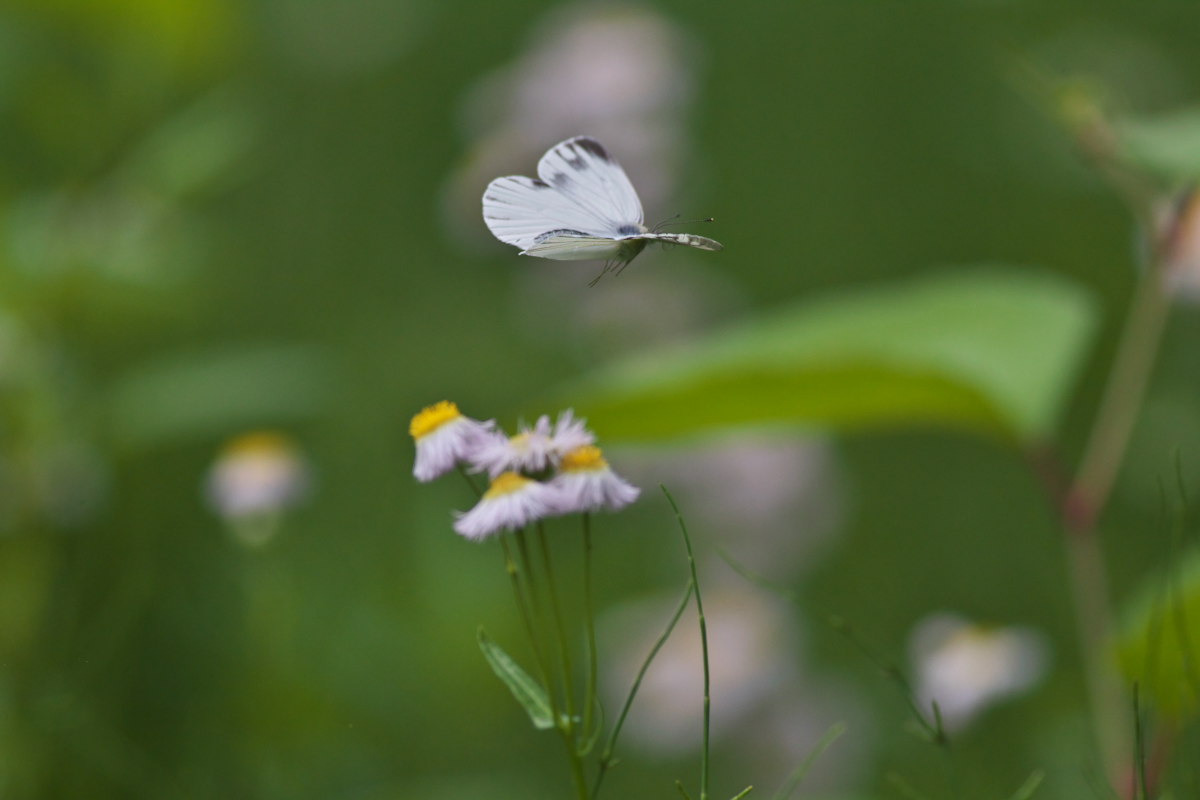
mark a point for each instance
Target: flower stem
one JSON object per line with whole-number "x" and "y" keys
{"x": 606, "y": 758}
{"x": 1089, "y": 495}
{"x": 510, "y": 566}
{"x": 687, "y": 543}
{"x": 589, "y": 695}
{"x": 564, "y": 650}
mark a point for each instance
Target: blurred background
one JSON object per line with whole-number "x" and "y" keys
{"x": 241, "y": 245}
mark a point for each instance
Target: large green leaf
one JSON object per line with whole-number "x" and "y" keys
{"x": 528, "y": 692}
{"x": 1159, "y": 642}
{"x": 986, "y": 349}
{"x": 1168, "y": 145}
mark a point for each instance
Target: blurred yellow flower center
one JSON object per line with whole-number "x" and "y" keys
{"x": 506, "y": 483}
{"x": 260, "y": 443}
{"x": 583, "y": 458}
{"x": 433, "y": 417}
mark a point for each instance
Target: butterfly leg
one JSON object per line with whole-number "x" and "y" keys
{"x": 615, "y": 266}
{"x": 603, "y": 272}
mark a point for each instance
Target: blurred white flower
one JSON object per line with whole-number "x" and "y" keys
{"x": 1179, "y": 240}
{"x": 965, "y": 667}
{"x": 586, "y": 483}
{"x": 751, "y": 642}
{"x": 511, "y": 502}
{"x": 444, "y": 437}
{"x": 771, "y": 500}
{"x": 256, "y": 477}
{"x": 618, "y": 72}
{"x": 533, "y": 449}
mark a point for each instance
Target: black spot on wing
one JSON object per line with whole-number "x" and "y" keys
{"x": 537, "y": 183}
{"x": 559, "y": 179}
{"x": 575, "y": 161}
{"x": 591, "y": 146}
{"x": 629, "y": 230}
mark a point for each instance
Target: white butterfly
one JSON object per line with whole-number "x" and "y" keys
{"x": 581, "y": 207}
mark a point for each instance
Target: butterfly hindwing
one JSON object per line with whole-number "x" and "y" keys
{"x": 566, "y": 245}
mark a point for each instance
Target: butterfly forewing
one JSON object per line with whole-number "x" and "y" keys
{"x": 583, "y": 170}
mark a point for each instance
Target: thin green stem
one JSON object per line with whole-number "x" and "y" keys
{"x": 606, "y": 757}
{"x": 1139, "y": 749}
{"x": 564, "y": 649}
{"x": 934, "y": 729}
{"x": 1122, "y": 399}
{"x": 510, "y": 567}
{"x": 470, "y": 481}
{"x": 589, "y": 696}
{"x": 687, "y": 543}
{"x": 530, "y": 575}
{"x": 1089, "y": 495}
{"x": 577, "y": 776}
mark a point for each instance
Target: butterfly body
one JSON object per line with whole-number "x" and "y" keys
{"x": 581, "y": 207}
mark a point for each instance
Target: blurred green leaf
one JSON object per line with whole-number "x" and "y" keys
{"x": 205, "y": 146}
{"x": 1159, "y": 640}
{"x": 216, "y": 393}
{"x": 528, "y": 692}
{"x": 1168, "y": 145}
{"x": 990, "y": 350}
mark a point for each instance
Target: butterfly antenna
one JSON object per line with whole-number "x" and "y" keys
{"x": 672, "y": 221}
{"x": 668, "y": 221}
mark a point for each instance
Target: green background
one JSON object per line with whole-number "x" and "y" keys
{"x": 220, "y": 216}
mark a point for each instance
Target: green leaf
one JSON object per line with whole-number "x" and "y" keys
{"x": 216, "y": 392}
{"x": 1159, "y": 640}
{"x": 528, "y": 692}
{"x": 1168, "y": 145}
{"x": 990, "y": 350}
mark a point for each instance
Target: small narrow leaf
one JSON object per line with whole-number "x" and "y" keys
{"x": 1029, "y": 786}
{"x": 528, "y": 692}
{"x": 904, "y": 787}
{"x": 793, "y": 781}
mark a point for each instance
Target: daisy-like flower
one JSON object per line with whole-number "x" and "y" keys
{"x": 533, "y": 449}
{"x": 257, "y": 473}
{"x": 1179, "y": 239}
{"x": 966, "y": 667}
{"x": 586, "y": 483}
{"x": 570, "y": 434}
{"x": 511, "y": 502}
{"x": 444, "y": 437}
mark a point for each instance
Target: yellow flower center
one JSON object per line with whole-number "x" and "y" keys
{"x": 506, "y": 483}
{"x": 433, "y": 417}
{"x": 260, "y": 443}
{"x": 583, "y": 458}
